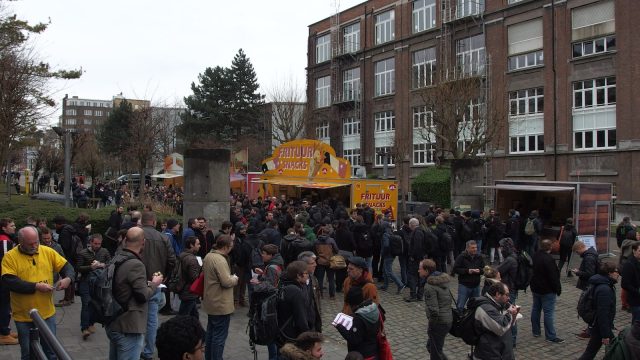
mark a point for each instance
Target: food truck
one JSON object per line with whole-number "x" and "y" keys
{"x": 588, "y": 203}
{"x": 310, "y": 169}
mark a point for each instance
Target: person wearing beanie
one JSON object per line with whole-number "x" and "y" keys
{"x": 172, "y": 230}
{"x": 359, "y": 276}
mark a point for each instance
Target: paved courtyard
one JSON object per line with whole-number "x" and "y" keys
{"x": 406, "y": 326}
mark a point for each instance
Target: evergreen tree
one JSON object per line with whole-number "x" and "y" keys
{"x": 224, "y": 104}
{"x": 114, "y": 134}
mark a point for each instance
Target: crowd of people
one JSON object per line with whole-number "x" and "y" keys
{"x": 309, "y": 253}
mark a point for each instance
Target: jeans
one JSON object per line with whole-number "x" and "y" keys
{"x": 216, "y": 336}
{"x": 369, "y": 260}
{"x": 513, "y": 296}
{"x": 546, "y": 303}
{"x": 388, "y": 273}
{"x": 635, "y": 313}
{"x": 464, "y": 293}
{"x": 274, "y": 354}
{"x": 416, "y": 283}
{"x": 331, "y": 277}
{"x": 124, "y": 346}
{"x": 152, "y": 324}
{"x": 5, "y": 310}
{"x": 23, "y": 338}
{"x": 437, "y": 334}
{"x": 188, "y": 307}
{"x": 403, "y": 259}
{"x": 85, "y": 312}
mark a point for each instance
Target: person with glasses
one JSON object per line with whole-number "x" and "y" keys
{"x": 359, "y": 275}
{"x": 180, "y": 338}
{"x": 604, "y": 299}
{"x": 293, "y": 317}
{"x": 495, "y": 315}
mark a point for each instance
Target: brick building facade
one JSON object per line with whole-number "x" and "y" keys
{"x": 563, "y": 71}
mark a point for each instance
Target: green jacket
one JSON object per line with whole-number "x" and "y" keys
{"x": 437, "y": 298}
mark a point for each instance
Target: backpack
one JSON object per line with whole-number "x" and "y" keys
{"x": 296, "y": 247}
{"x": 586, "y": 306}
{"x": 529, "y": 227}
{"x": 396, "y": 244}
{"x": 445, "y": 243}
{"x": 252, "y": 254}
{"x": 175, "y": 284}
{"x": 104, "y": 306}
{"x": 364, "y": 244}
{"x": 324, "y": 252}
{"x": 263, "y": 324}
{"x": 617, "y": 348}
{"x": 464, "y": 321}
{"x": 621, "y": 234}
{"x": 524, "y": 271}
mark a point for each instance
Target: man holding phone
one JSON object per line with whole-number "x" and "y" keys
{"x": 468, "y": 266}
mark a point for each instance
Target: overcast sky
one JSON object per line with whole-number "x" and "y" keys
{"x": 154, "y": 49}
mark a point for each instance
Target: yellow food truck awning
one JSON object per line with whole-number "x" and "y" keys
{"x": 300, "y": 183}
{"x": 527, "y": 187}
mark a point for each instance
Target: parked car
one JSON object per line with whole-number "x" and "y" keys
{"x": 133, "y": 179}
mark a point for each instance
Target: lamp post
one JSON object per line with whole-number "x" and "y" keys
{"x": 67, "y": 162}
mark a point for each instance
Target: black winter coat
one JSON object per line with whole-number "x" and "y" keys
{"x": 292, "y": 309}
{"x": 631, "y": 280}
{"x": 463, "y": 263}
{"x": 546, "y": 276}
{"x": 604, "y": 297}
{"x": 588, "y": 267}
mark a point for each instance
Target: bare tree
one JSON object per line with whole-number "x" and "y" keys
{"x": 168, "y": 117}
{"x": 289, "y": 113}
{"x": 462, "y": 119}
{"x": 90, "y": 161}
{"x": 401, "y": 152}
{"x": 144, "y": 132}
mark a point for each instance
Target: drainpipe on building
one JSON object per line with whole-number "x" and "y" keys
{"x": 555, "y": 92}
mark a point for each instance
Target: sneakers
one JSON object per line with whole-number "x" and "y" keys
{"x": 8, "y": 340}
{"x": 556, "y": 340}
{"x": 536, "y": 335}
{"x": 400, "y": 289}
{"x": 85, "y": 334}
{"x": 411, "y": 299}
{"x": 92, "y": 329}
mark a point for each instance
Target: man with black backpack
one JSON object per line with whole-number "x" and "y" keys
{"x": 91, "y": 258}
{"x": 494, "y": 318}
{"x": 132, "y": 291}
{"x": 444, "y": 245}
{"x": 421, "y": 244}
{"x": 604, "y": 308}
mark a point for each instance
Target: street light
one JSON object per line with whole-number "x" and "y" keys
{"x": 67, "y": 162}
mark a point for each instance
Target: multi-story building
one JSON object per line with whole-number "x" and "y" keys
{"x": 84, "y": 115}
{"x": 562, "y": 71}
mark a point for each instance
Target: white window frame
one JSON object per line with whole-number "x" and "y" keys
{"x": 88, "y": 122}
{"x": 423, "y": 153}
{"x": 379, "y": 159}
{"x": 466, "y": 126}
{"x": 353, "y": 155}
{"x": 423, "y": 68}
{"x": 322, "y": 132}
{"x": 424, "y": 144}
{"x": 71, "y": 122}
{"x": 471, "y": 61}
{"x": 385, "y": 27}
{"x": 593, "y": 20}
{"x": 88, "y": 112}
{"x": 351, "y": 126}
{"x": 594, "y": 114}
{"x": 423, "y": 15}
{"x": 323, "y": 48}
{"x": 98, "y": 113}
{"x": 385, "y": 121}
{"x": 351, "y": 38}
{"x": 71, "y": 112}
{"x": 323, "y": 91}
{"x": 526, "y": 121}
{"x": 600, "y": 45}
{"x": 385, "y": 77}
{"x": 469, "y": 8}
{"x": 526, "y": 60}
{"x": 351, "y": 84}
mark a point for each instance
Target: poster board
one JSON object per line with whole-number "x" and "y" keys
{"x": 588, "y": 240}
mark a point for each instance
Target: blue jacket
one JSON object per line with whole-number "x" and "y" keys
{"x": 177, "y": 245}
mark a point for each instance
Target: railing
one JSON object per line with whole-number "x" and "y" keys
{"x": 40, "y": 328}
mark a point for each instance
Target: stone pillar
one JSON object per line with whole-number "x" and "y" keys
{"x": 206, "y": 185}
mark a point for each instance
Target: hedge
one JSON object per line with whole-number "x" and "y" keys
{"x": 20, "y": 207}
{"x": 434, "y": 185}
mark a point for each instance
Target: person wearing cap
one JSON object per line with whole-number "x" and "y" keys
{"x": 358, "y": 275}
{"x": 172, "y": 230}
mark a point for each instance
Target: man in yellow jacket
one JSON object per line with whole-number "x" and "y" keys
{"x": 217, "y": 301}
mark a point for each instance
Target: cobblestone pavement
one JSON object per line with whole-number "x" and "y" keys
{"x": 406, "y": 327}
